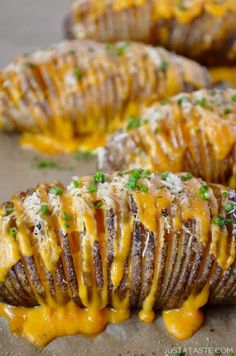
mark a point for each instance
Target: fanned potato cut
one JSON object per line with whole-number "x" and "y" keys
{"x": 189, "y": 132}
{"x": 204, "y": 30}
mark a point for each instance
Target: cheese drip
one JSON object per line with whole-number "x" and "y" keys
{"x": 96, "y": 254}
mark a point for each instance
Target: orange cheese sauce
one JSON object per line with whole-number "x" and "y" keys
{"x": 227, "y": 74}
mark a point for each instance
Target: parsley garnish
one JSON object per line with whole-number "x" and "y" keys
{"x": 78, "y": 73}
{"x": 202, "y": 102}
{"x": 221, "y": 221}
{"x": 66, "y": 217}
{"x": 44, "y": 209}
{"x": 186, "y": 177}
{"x": 229, "y": 207}
{"x": 225, "y": 195}
{"x": 134, "y": 176}
{"x": 165, "y": 175}
{"x": 98, "y": 204}
{"x": 203, "y": 192}
{"x": 100, "y": 177}
{"x": 13, "y": 231}
{"x": 57, "y": 190}
{"x": 76, "y": 183}
{"x": 233, "y": 98}
{"x": 117, "y": 49}
{"x": 227, "y": 111}
{"x": 81, "y": 155}
{"x": 164, "y": 66}
{"x": 92, "y": 188}
{"x": 133, "y": 123}
{"x": 9, "y": 210}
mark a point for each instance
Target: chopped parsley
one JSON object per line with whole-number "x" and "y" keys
{"x": 44, "y": 210}
{"x": 9, "y": 210}
{"x": 203, "y": 192}
{"x": 76, "y": 183}
{"x": 66, "y": 217}
{"x": 221, "y": 221}
{"x": 92, "y": 188}
{"x": 229, "y": 207}
{"x": 202, "y": 102}
{"x": 82, "y": 155}
{"x": 134, "y": 176}
{"x": 133, "y": 123}
{"x": 66, "y": 226}
{"x": 78, "y": 73}
{"x": 13, "y": 231}
{"x": 45, "y": 164}
{"x": 183, "y": 99}
{"x": 100, "y": 177}
{"x": 227, "y": 111}
{"x": 117, "y": 49}
{"x": 186, "y": 177}
{"x": 225, "y": 195}
{"x": 233, "y": 98}
{"x": 30, "y": 65}
{"x": 57, "y": 190}
{"x": 165, "y": 175}
{"x": 164, "y": 66}
{"x": 98, "y": 204}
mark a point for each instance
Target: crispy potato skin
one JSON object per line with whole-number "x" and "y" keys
{"x": 183, "y": 133}
{"x": 79, "y": 87}
{"x": 206, "y": 38}
{"x": 185, "y": 263}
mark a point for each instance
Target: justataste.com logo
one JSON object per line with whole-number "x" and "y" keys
{"x": 214, "y": 351}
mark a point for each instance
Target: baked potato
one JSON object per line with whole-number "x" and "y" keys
{"x": 59, "y": 97}
{"x": 108, "y": 243}
{"x": 193, "y": 132}
{"x": 204, "y": 30}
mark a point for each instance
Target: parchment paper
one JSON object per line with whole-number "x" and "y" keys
{"x": 26, "y": 25}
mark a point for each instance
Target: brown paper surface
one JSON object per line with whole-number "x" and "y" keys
{"x": 26, "y": 25}
{"x": 17, "y": 173}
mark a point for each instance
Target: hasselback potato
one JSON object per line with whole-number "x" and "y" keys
{"x": 81, "y": 88}
{"x": 189, "y": 132}
{"x": 204, "y": 30}
{"x": 111, "y": 243}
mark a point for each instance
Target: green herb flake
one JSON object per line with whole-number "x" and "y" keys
{"x": 57, "y": 190}
{"x": 203, "y": 192}
{"x": 229, "y": 208}
{"x": 164, "y": 66}
{"x": 100, "y": 177}
{"x": 225, "y": 195}
{"x": 45, "y": 164}
{"x": 233, "y": 98}
{"x": 202, "y": 102}
{"x": 9, "y": 210}
{"x": 13, "y": 231}
{"x": 83, "y": 155}
{"x": 227, "y": 111}
{"x": 76, "y": 183}
{"x": 44, "y": 210}
{"x": 78, "y": 73}
{"x": 221, "y": 221}
{"x": 133, "y": 123}
{"x": 98, "y": 204}
{"x": 117, "y": 49}
{"x": 29, "y": 65}
{"x": 66, "y": 217}
{"x": 165, "y": 175}
{"x": 66, "y": 226}
{"x": 183, "y": 99}
{"x": 92, "y": 188}
{"x": 186, "y": 177}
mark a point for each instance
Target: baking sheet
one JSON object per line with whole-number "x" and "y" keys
{"x": 26, "y": 25}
